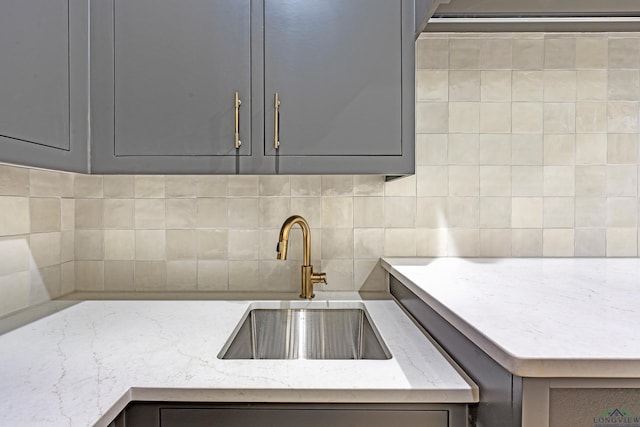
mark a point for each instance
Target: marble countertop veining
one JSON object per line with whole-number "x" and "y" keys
{"x": 81, "y": 366}
{"x": 538, "y": 317}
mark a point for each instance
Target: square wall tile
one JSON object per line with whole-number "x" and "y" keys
{"x": 432, "y": 117}
{"x": 14, "y": 216}
{"x": 432, "y": 53}
{"x": 14, "y": 289}
{"x": 46, "y": 249}
{"x": 591, "y": 85}
{"x": 400, "y": 212}
{"x": 149, "y": 186}
{"x": 558, "y": 242}
{"x": 150, "y": 214}
{"x": 89, "y": 275}
{"x": 526, "y": 242}
{"x": 119, "y": 244}
{"x": 181, "y": 186}
{"x": 244, "y": 275}
{"x": 150, "y": 245}
{"x": 119, "y": 213}
{"x": 431, "y": 149}
{"x": 118, "y": 186}
{"x": 431, "y": 242}
{"x": 213, "y": 275}
{"x": 464, "y": 54}
{"x": 432, "y": 85}
{"x": 45, "y": 214}
{"x": 590, "y": 242}
{"x": 464, "y": 85}
{"x": 14, "y": 181}
{"x": 337, "y": 243}
{"x": 495, "y": 149}
{"x": 88, "y": 186}
{"x": 339, "y": 275}
{"x": 432, "y": 212}
{"x": 212, "y": 186}
{"x": 182, "y": 244}
{"x": 181, "y": 213}
{"x": 119, "y": 276}
{"x": 622, "y": 242}
{"x": 15, "y": 254}
{"x": 496, "y": 86}
{"x": 368, "y": 243}
{"x": 495, "y": 243}
{"x": 464, "y": 242}
{"x": 274, "y": 185}
{"x": 88, "y": 213}
{"x": 527, "y": 86}
{"x": 150, "y": 276}
{"x": 496, "y": 53}
{"x": 591, "y": 52}
{"x": 337, "y": 212}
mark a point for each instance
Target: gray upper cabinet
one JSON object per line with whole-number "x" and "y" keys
{"x": 337, "y": 67}
{"x": 44, "y": 83}
{"x": 164, "y": 75}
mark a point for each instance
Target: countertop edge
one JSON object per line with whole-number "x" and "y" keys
{"x": 518, "y": 365}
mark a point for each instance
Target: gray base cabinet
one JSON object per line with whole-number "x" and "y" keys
{"x": 44, "y": 83}
{"x": 147, "y": 414}
{"x": 165, "y": 74}
{"x": 500, "y": 391}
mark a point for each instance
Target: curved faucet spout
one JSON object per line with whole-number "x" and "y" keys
{"x": 284, "y": 238}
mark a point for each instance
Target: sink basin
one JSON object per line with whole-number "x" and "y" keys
{"x": 305, "y": 333}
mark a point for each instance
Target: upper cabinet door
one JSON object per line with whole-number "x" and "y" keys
{"x": 338, "y": 68}
{"x": 43, "y": 83}
{"x": 165, "y": 77}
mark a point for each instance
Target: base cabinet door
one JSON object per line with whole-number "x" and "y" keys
{"x": 149, "y": 414}
{"x": 296, "y": 418}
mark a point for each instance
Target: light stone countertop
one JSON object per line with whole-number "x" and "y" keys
{"x": 81, "y": 366}
{"x": 570, "y": 317}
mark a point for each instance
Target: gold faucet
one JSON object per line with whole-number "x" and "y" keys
{"x": 309, "y": 278}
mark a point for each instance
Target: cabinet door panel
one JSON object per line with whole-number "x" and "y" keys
{"x": 44, "y": 83}
{"x": 34, "y": 76}
{"x": 164, "y": 74}
{"x": 294, "y": 418}
{"x": 177, "y": 66}
{"x": 337, "y": 67}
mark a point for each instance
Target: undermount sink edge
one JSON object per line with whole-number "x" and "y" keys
{"x": 317, "y": 330}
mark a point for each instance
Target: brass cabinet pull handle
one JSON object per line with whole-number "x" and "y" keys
{"x": 237, "y": 104}
{"x": 276, "y": 125}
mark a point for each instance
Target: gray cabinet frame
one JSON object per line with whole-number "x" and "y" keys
{"x": 71, "y": 154}
{"x": 260, "y": 160}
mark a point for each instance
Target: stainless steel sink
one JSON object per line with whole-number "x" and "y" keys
{"x": 343, "y": 333}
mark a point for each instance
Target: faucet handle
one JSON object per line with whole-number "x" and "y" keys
{"x": 319, "y": 278}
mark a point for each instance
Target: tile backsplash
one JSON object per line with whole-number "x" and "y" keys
{"x": 36, "y": 236}
{"x": 527, "y": 144}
